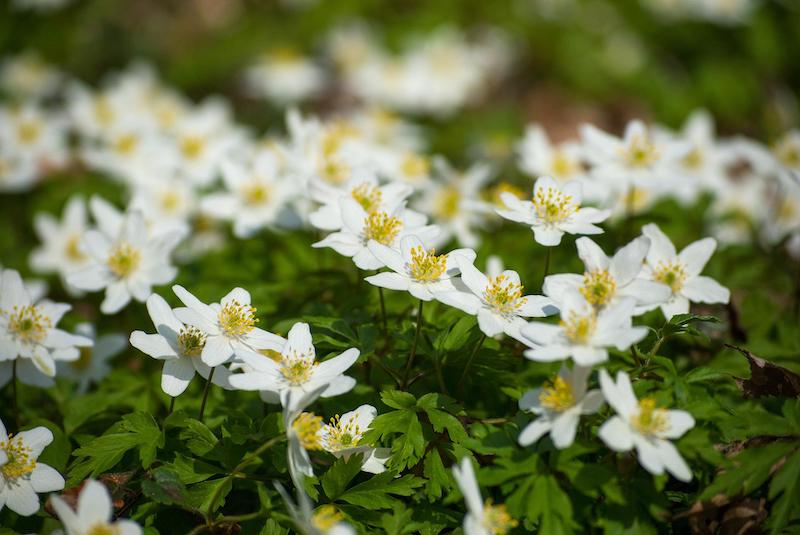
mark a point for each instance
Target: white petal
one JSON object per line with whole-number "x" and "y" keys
{"x": 534, "y": 431}
{"x": 22, "y": 499}
{"x": 94, "y": 503}
{"x": 705, "y": 290}
{"x": 565, "y": 426}
{"x": 391, "y": 281}
{"x": 176, "y": 375}
{"x": 672, "y": 460}
{"x": 616, "y": 434}
{"x": 153, "y": 345}
{"x": 45, "y": 478}
{"x": 679, "y": 423}
{"x": 217, "y": 350}
{"x": 696, "y": 255}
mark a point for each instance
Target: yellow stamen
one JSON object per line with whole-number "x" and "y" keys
{"x": 426, "y": 266}
{"x": 191, "y": 341}
{"x": 20, "y": 463}
{"x": 788, "y": 152}
{"x": 650, "y": 420}
{"x": 496, "y": 519}
{"x": 342, "y": 436}
{"x": 306, "y": 427}
{"x": 72, "y": 248}
{"x": 326, "y": 517}
{"x": 28, "y": 324}
{"x": 673, "y": 274}
{"x": 557, "y": 396}
{"x": 237, "y": 319}
{"x": 495, "y": 194}
{"x": 126, "y": 144}
{"x": 368, "y": 196}
{"x": 124, "y": 259}
{"x": 504, "y": 295}
{"x": 381, "y": 227}
{"x": 415, "y": 166}
{"x": 599, "y": 287}
{"x": 103, "y": 111}
{"x": 562, "y": 166}
{"x": 101, "y": 528}
{"x": 447, "y": 202}
{"x": 695, "y": 159}
{"x": 255, "y": 193}
{"x": 641, "y": 152}
{"x": 297, "y": 368}
{"x": 579, "y": 329}
{"x": 28, "y": 132}
{"x": 552, "y": 206}
{"x": 192, "y": 146}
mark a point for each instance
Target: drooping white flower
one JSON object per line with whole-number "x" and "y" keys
{"x": 229, "y": 326}
{"x": 417, "y": 270}
{"x": 302, "y": 431}
{"x": 559, "y": 406}
{"x": 179, "y": 346}
{"x": 607, "y": 280}
{"x": 681, "y": 272}
{"x": 554, "y": 211}
{"x": 342, "y": 437}
{"x": 362, "y": 228}
{"x": 297, "y": 370}
{"x": 584, "y": 333}
{"x": 127, "y": 259}
{"x": 640, "y": 424}
{"x": 482, "y": 518}
{"x": 22, "y": 476}
{"x": 325, "y": 520}
{"x": 28, "y": 332}
{"x": 94, "y": 513}
{"x": 497, "y": 301}
{"x": 92, "y": 364}
{"x": 61, "y": 250}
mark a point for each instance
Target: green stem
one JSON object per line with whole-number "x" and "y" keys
{"x": 171, "y": 406}
{"x": 546, "y": 264}
{"x": 14, "y": 393}
{"x": 410, "y": 361}
{"x": 471, "y": 356}
{"x": 383, "y": 312}
{"x": 205, "y": 393}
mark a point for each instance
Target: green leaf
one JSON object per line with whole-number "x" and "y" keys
{"x": 786, "y": 483}
{"x": 398, "y": 400}
{"x": 375, "y": 492}
{"x": 438, "y": 477}
{"x": 549, "y": 504}
{"x": 753, "y": 467}
{"x": 165, "y": 487}
{"x": 200, "y": 495}
{"x": 338, "y": 476}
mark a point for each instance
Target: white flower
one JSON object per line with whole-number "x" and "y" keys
{"x": 559, "y": 406}
{"x": 364, "y": 189}
{"x": 681, "y": 272}
{"x": 28, "y": 332}
{"x": 483, "y": 518}
{"x": 297, "y": 371}
{"x": 583, "y": 333}
{"x": 640, "y": 424}
{"x": 94, "y": 513}
{"x": 228, "y": 326}
{"x": 302, "y": 431}
{"x": 362, "y": 228}
{"x": 61, "y": 250}
{"x": 179, "y": 346}
{"x": 417, "y": 270}
{"x": 454, "y": 202}
{"x": 92, "y": 364}
{"x": 255, "y": 197}
{"x": 21, "y": 475}
{"x": 787, "y": 155}
{"x": 607, "y": 280}
{"x": 284, "y": 76}
{"x": 554, "y": 210}
{"x": 326, "y": 520}
{"x": 497, "y": 301}
{"x": 35, "y": 134}
{"x": 342, "y": 438}
{"x": 126, "y": 258}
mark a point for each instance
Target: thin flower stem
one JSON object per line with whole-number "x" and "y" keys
{"x": 171, "y": 406}
{"x": 472, "y": 356}
{"x": 546, "y": 264}
{"x": 205, "y": 394}
{"x": 410, "y": 361}
{"x": 14, "y": 392}
{"x": 383, "y": 312}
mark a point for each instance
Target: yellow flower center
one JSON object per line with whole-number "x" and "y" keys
{"x": 694, "y": 159}
{"x": 237, "y": 319}
{"x": 788, "y": 152}
{"x": 579, "y": 329}
{"x": 368, "y": 196}
{"x": 504, "y": 187}
{"x": 326, "y": 517}
{"x": 552, "y": 206}
{"x": 271, "y": 354}
{"x": 333, "y": 170}
{"x": 28, "y": 132}
{"x": 787, "y": 210}
{"x": 192, "y": 146}
{"x": 171, "y": 201}
{"x": 599, "y": 287}
{"x": 84, "y": 359}
{"x": 641, "y": 152}
{"x": 28, "y": 324}
{"x": 126, "y": 144}
{"x": 101, "y": 528}
{"x": 381, "y": 227}
{"x": 447, "y": 202}
{"x": 103, "y": 111}
{"x": 19, "y": 462}
{"x": 72, "y": 248}
{"x": 191, "y": 341}
{"x": 496, "y": 519}
{"x": 124, "y": 259}
{"x": 415, "y": 166}
{"x": 562, "y": 166}
{"x": 298, "y": 368}
{"x": 504, "y": 295}
{"x": 342, "y": 436}
{"x": 426, "y": 266}
{"x": 650, "y": 420}
{"x": 557, "y": 396}
{"x": 255, "y": 193}
{"x": 306, "y": 426}
{"x": 673, "y": 274}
